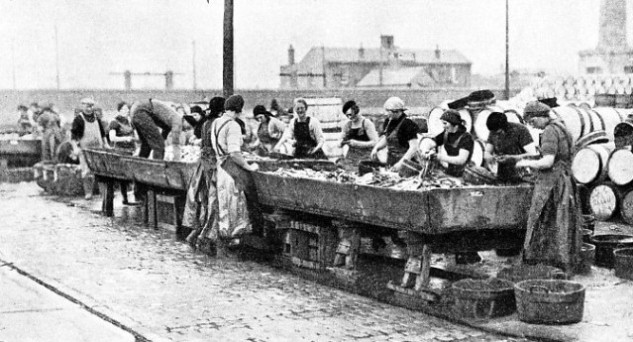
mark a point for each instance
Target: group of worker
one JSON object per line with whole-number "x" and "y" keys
{"x": 222, "y": 201}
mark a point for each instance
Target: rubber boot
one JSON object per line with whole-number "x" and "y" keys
{"x": 88, "y": 183}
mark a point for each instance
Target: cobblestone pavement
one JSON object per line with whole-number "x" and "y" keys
{"x": 158, "y": 287}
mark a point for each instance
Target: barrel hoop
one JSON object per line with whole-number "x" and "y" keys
{"x": 582, "y": 122}
{"x": 604, "y": 125}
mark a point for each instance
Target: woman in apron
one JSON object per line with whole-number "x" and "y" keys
{"x": 359, "y": 136}
{"x": 552, "y": 236}
{"x": 238, "y": 210}
{"x": 307, "y": 133}
{"x": 269, "y": 131}
{"x": 457, "y": 142}
{"x": 121, "y": 135}
{"x": 201, "y": 194}
{"x": 399, "y": 136}
{"x": 88, "y": 133}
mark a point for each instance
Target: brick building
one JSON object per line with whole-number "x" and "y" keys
{"x": 386, "y": 66}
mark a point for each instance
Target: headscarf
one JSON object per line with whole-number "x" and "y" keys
{"x": 452, "y": 116}
{"x": 535, "y": 109}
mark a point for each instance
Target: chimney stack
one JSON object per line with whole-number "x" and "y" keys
{"x": 361, "y": 52}
{"x": 386, "y": 42}
{"x": 438, "y": 53}
{"x": 612, "y": 35}
{"x": 291, "y": 55}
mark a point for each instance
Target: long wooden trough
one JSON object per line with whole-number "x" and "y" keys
{"x": 432, "y": 211}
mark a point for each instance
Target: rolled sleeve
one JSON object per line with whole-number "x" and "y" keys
{"x": 317, "y": 132}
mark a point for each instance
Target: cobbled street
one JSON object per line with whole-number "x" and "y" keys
{"x": 159, "y": 289}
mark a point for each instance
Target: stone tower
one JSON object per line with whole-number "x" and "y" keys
{"x": 612, "y": 55}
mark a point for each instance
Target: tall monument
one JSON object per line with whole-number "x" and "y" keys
{"x": 612, "y": 55}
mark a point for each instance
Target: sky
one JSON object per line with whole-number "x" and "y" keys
{"x": 98, "y": 40}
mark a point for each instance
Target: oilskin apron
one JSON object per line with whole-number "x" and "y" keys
{"x": 357, "y": 154}
{"x": 395, "y": 151}
{"x": 231, "y": 183}
{"x": 552, "y": 234}
{"x": 453, "y": 150}
{"x": 90, "y": 139}
{"x": 201, "y": 193}
{"x": 305, "y": 142}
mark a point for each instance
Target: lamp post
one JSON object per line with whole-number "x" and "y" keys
{"x": 227, "y": 74}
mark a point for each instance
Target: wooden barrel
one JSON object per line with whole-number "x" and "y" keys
{"x": 589, "y": 164}
{"x": 595, "y": 137}
{"x": 478, "y": 153}
{"x": 435, "y": 123}
{"x": 604, "y": 200}
{"x": 620, "y": 167}
{"x": 577, "y": 120}
{"x": 481, "y": 130}
{"x": 626, "y": 207}
{"x": 623, "y": 134}
{"x": 610, "y": 117}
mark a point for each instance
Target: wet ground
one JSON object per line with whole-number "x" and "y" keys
{"x": 157, "y": 288}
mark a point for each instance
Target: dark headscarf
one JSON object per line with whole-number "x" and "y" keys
{"x": 496, "y": 120}
{"x": 452, "y": 116}
{"x": 216, "y": 107}
{"x": 535, "y": 109}
{"x": 234, "y": 103}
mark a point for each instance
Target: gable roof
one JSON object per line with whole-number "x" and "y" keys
{"x": 349, "y": 55}
{"x": 406, "y": 76}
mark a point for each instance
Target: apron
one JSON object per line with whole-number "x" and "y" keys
{"x": 552, "y": 228}
{"x": 231, "y": 183}
{"x": 125, "y": 130}
{"x": 90, "y": 139}
{"x": 357, "y": 154}
{"x": 395, "y": 151}
{"x": 267, "y": 142}
{"x": 453, "y": 150}
{"x": 305, "y": 142}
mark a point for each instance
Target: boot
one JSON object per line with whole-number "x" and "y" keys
{"x": 88, "y": 183}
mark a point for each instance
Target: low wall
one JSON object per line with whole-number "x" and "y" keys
{"x": 67, "y": 100}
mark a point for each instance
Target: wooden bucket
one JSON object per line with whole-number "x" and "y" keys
{"x": 589, "y": 165}
{"x": 483, "y": 299}
{"x": 606, "y": 244}
{"x": 623, "y": 263}
{"x": 620, "y": 167}
{"x": 435, "y": 123}
{"x": 604, "y": 200}
{"x": 549, "y": 301}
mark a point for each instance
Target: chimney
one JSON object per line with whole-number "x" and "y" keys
{"x": 386, "y": 42}
{"x": 291, "y": 55}
{"x": 438, "y": 53}
{"x": 127, "y": 76}
{"x": 361, "y": 52}
{"x": 612, "y": 25}
{"x": 169, "y": 80}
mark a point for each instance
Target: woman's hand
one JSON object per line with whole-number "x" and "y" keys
{"x": 523, "y": 163}
{"x": 396, "y": 167}
{"x": 253, "y": 167}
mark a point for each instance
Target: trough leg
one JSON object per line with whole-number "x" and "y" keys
{"x": 416, "y": 278}
{"x": 348, "y": 247}
{"x": 106, "y": 187}
{"x": 151, "y": 214}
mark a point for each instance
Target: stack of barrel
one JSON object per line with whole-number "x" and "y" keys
{"x": 603, "y": 162}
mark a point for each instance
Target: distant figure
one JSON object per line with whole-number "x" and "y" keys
{"x": 277, "y": 110}
{"x": 87, "y": 132}
{"x": 49, "y": 125}
{"x": 25, "y": 124}
{"x": 153, "y": 121}
{"x": 307, "y": 133}
{"x": 67, "y": 153}
{"x": 269, "y": 131}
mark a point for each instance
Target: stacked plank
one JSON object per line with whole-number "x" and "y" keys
{"x": 605, "y": 165}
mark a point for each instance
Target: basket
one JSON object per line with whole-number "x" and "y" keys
{"x": 549, "y": 301}
{"x": 483, "y": 299}
{"x": 624, "y": 263}
{"x": 520, "y": 273}
{"x": 606, "y": 244}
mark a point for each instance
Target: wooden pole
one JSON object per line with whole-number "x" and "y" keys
{"x": 195, "y": 86}
{"x": 56, "y": 57}
{"x": 507, "y": 89}
{"x": 227, "y": 75}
